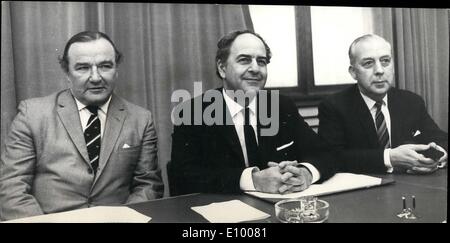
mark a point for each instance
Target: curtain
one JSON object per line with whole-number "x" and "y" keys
{"x": 423, "y": 57}
{"x": 8, "y": 91}
{"x": 420, "y": 39}
{"x": 33, "y": 36}
{"x": 166, "y": 47}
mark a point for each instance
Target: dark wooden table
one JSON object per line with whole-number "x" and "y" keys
{"x": 377, "y": 204}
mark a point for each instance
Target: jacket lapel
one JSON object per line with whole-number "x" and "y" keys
{"x": 265, "y": 143}
{"x": 113, "y": 126}
{"x": 366, "y": 120}
{"x": 396, "y": 113}
{"x": 68, "y": 113}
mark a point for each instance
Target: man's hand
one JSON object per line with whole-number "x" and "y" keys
{"x": 442, "y": 160}
{"x": 406, "y": 157}
{"x": 267, "y": 180}
{"x": 421, "y": 170}
{"x": 294, "y": 178}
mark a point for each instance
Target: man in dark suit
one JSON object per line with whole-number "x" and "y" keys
{"x": 375, "y": 127}
{"x": 80, "y": 147}
{"x": 234, "y": 154}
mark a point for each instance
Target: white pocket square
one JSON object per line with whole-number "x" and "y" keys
{"x": 126, "y": 146}
{"x": 285, "y": 146}
{"x": 416, "y": 133}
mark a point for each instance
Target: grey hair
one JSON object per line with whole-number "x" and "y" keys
{"x": 351, "y": 49}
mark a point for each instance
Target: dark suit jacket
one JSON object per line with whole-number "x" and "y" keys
{"x": 45, "y": 166}
{"x": 210, "y": 159}
{"x": 346, "y": 124}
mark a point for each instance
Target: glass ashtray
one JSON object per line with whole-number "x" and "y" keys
{"x": 302, "y": 210}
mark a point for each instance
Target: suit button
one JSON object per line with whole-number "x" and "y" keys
{"x": 90, "y": 170}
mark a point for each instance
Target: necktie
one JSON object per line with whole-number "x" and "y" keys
{"x": 382, "y": 132}
{"x": 92, "y": 137}
{"x": 250, "y": 140}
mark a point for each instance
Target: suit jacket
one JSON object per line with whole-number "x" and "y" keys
{"x": 346, "y": 124}
{"x": 210, "y": 159}
{"x": 45, "y": 166}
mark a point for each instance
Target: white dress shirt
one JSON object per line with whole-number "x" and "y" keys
{"x": 85, "y": 114}
{"x": 237, "y": 114}
{"x": 387, "y": 117}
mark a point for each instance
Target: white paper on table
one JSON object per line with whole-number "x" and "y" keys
{"x": 233, "y": 211}
{"x": 100, "y": 214}
{"x": 338, "y": 183}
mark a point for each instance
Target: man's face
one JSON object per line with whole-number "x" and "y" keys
{"x": 373, "y": 67}
{"x": 246, "y": 66}
{"x": 92, "y": 71}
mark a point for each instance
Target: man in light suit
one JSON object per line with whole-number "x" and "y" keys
{"x": 233, "y": 154}
{"x": 50, "y": 162}
{"x": 378, "y": 128}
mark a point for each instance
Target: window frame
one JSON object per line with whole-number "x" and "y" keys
{"x": 306, "y": 93}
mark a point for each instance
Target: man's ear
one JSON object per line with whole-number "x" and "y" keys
{"x": 221, "y": 69}
{"x": 352, "y": 72}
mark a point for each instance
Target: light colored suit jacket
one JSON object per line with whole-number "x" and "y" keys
{"x": 45, "y": 166}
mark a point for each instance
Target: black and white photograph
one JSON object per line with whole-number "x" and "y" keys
{"x": 223, "y": 113}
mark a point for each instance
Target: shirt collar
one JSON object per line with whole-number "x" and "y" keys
{"x": 103, "y": 108}
{"x": 235, "y": 107}
{"x": 370, "y": 103}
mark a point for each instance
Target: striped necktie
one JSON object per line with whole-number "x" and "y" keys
{"x": 382, "y": 131}
{"x": 92, "y": 137}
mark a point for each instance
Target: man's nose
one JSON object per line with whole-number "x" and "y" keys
{"x": 379, "y": 69}
{"x": 95, "y": 76}
{"x": 254, "y": 67}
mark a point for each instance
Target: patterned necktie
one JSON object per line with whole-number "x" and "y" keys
{"x": 382, "y": 132}
{"x": 250, "y": 140}
{"x": 92, "y": 137}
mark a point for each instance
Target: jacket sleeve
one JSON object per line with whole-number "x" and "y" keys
{"x": 310, "y": 147}
{"x": 146, "y": 182}
{"x": 17, "y": 169}
{"x": 333, "y": 130}
{"x": 430, "y": 130}
{"x": 190, "y": 172}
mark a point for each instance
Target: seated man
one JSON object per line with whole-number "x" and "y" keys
{"x": 238, "y": 152}
{"x": 80, "y": 147}
{"x": 375, "y": 127}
